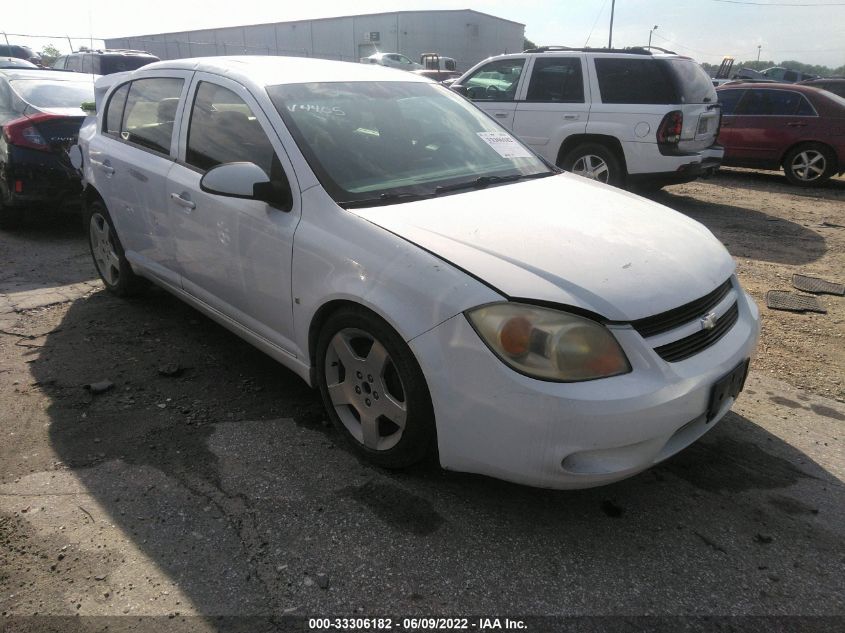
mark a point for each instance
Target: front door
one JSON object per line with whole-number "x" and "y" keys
{"x": 234, "y": 254}
{"x": 494, "y": 88}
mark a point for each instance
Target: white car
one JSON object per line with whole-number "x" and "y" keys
{"x": 391, "y": 60}
{"x": 439, "y": 283}
{"x": 624, "y": 117}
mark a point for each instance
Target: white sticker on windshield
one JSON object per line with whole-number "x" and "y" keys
{"x": 504, "y": 144}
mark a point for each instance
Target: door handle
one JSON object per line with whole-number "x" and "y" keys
{"x": 105, "y": 167}
{"x": 796, "y": 124}
{"x": 500, "y": 115}
{"x": 182, "y": 202}
{"x": 571, "y": 117}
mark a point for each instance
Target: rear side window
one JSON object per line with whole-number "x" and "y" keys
{"x": 728, "y": 99}
{"x": 223, "y": 129}
{"x": 74, "y": 62}
{"x": 150, "y": 112}
{"x": 692, "y": 83}
{"x": 88, "y": 64}
{"x": 635, "y": 81}
{"x": 114, "y": 111}
{"x": 556, "y": 80}
{"x": 496, "y": 81}
{"x": 770, "y": 103}
{"x": 120, "y": 63}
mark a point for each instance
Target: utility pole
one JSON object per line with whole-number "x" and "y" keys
{"x": 610, "y": 37}
{"x": 758, "y": 52}
{"x": 649, "y": 35}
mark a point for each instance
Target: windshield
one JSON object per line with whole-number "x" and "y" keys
{"x": 371, "y": 139}
{"x": 54, "y": 94}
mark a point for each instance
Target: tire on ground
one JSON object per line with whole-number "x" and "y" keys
{"x": 417, "y": 437}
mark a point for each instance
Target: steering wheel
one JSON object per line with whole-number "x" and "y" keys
{"x": 493, "y": 91}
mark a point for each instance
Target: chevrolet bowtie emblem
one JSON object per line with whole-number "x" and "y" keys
{"x": 708, "y": 321}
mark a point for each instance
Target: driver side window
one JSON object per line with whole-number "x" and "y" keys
{"x": 496, "y": 81}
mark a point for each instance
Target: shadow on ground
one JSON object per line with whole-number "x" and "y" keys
{"x": 225, "y": 475}
{"x": 750, "y": 233}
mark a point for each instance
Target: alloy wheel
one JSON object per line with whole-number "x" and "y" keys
{"x": 809, "y": 165}
{"x": 105, "y": 256}
{"x": 592, "y": 167}
{"x": 365, "y": 389}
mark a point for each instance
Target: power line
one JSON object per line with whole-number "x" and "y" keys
{"x": 603, "y": 5}
{"x": 783, "y": 4}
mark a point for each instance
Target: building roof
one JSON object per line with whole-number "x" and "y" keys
{"x": 339, "y": 17}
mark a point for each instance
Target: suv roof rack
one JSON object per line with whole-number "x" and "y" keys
{"x": 83, "y": 49}
{"x": 632, "y": 50}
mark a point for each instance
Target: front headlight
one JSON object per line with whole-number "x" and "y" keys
{"x": 549, "y": 344}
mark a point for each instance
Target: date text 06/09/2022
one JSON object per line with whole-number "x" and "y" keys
{"x": 417, "y": 624}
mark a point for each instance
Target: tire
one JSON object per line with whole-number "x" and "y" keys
{"x": 595, "y": 162}
{"x": 373, "y": 389}
{"x": 809, "y": 165}
{"x": 10, "y": 218}
{"x": 107, "y": 253}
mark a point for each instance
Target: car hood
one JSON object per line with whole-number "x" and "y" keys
{"x": 567, "y": 240}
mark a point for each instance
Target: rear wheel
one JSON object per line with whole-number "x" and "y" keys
{"x": 108, "y": 254}
{"x": 373, "y": 389}
{"x": 10, "y": 217}
{"x": 809, "y": 165}
{"x": 595, "y": 162}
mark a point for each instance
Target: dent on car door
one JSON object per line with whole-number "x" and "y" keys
{"x": 133, "y": 159}
{"x": 494, "y": 88}
{"x": 234, "y": 253}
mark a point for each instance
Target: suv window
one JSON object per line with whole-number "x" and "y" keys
{"x": 60, "y": 62}
{"x": 114, "y": 111}
{"x": 496, "y": 81}
{"x": 119, "y": 63}
{"x": 769, "y": 103}
{"x": 223, "y": 129}
{"x": 150, "y": 112}
{"x": 88, "y": 63}
{"x": 74, "y": 62}
{"x": 692, "y": 82}
{"x": 635, "y": 81}
{"x": 556, "y": 80}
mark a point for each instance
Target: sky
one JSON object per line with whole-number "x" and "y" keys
{"x": 704, "y": 29}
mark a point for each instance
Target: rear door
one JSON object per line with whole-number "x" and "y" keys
{"x": 697, "y": 100}
{"x": 132, "y": 159}
{"x": 495, "y": 86}
{"x": 729, "y": 129}
{"x": 555, "y": 103}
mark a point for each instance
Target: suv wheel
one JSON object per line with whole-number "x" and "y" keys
{"x": 373, "y": 389}
{"x": 809, "y": 165}
{"x": 595, "y": 162}
{"x": 107, "y": 251}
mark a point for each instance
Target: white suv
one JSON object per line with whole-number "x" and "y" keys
{"x": 624, "y": 117}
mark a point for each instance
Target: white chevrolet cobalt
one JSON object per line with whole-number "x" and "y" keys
{"x": 444, "y": 288}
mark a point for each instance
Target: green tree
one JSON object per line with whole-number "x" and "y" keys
{"x": 526, "y": 44}
{"x": 49, "y": 54}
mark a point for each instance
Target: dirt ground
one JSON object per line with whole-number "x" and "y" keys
{"x": 205, "y": 482}
{"x": 774, "y": 230}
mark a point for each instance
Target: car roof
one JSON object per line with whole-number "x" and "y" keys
{"x": 756, "y": 85}
{"x": 38, "y": 73}
{"x": 266, "y": 70}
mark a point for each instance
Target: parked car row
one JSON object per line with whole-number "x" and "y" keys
{"x": 443, "y": 286}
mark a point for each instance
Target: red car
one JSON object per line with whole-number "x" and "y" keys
{"x": 773, "y": 126}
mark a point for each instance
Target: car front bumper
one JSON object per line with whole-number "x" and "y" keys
{"x": 494, "y": 421}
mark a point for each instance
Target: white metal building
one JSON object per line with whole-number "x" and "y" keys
{"x": 466, "y": 35}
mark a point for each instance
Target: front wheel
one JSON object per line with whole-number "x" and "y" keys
{"x": 373, "y": 389}
{"x": 595, "y": 162}
{"x": 108, "y": 254}
{"x": 809, "y": 165}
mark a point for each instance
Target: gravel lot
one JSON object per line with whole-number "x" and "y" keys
{"x": 207, "y": 482}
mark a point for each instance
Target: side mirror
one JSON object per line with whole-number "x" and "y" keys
{"x": 460, "y": 89}
{"x": 247, "y": 181}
